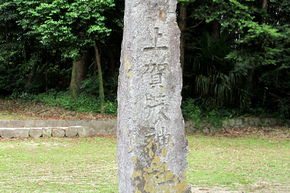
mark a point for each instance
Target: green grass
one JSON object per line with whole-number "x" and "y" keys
{"x": 90, "y": 165}
{"x": 238, "y": 163}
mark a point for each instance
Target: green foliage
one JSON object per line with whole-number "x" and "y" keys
{"x": 67, "y": 25}
{"x": 83, "y": 103}
{"x": 218, "y": 80}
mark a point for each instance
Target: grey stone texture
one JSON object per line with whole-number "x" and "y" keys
{"x": 58, "y": 132}
{"x": 29, "y": 123}
{"x": 40, "y": 123}
{"x": 6, "y": 133}
{"x": 71, "y": 131}
{"x": 51, "y": 123}
{"x": 16, "y": 123}
{"x": 152, "y": 147}
{"x": 35, "y": 132}
{"x": 46, "y": 132}
{"x": 4, "y": 123}
{"x": 83, "y": 132}
{"x": 21, "y": 133}
{"x": 109, "y": 127}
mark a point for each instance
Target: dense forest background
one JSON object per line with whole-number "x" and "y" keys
{"x": 235, "y": 55}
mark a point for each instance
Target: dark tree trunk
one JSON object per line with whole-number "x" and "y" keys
{"x": 101, "y": 87}
{"x": 79, "y": 73}
{"x": 31, "y": 76}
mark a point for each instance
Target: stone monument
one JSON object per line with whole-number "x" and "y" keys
{"x": 152, "y": 147}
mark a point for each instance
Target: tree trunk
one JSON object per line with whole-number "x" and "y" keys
{"x": 79, "y": 73}
{"x": 31, "y": 76}
{"x": 100, "y": 76}
{"x": 182, "y": 27}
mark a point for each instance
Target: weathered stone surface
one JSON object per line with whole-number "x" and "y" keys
{"x": 29, "y": 123}
{"x": 16, "y": 123}
{"x": 75, "y": 123}
{"x": 51, "y": 123}
{"x": 239, "y": 122}
{"x": 63, "y": 123}
{"x": 46, "y": 131}
{"x": 71, "y": 131}
{"x": 152, "y": 147}
{"x": 83, "y": 132}
{"x": 225, "y": 123}
{"x": 58, "y": 132}
{"x": 254, "y": 122}
{"x": 87, "y": 123}
{"x": 111, "y": 127}
{"x": 6, "y": 133}
{"x": 231, "y": 122}
{"x": 40, "y": 123}
{"x": 35, "y": 132}
{"x": 20, "y": 133}
{"x": 4, "y": 123}
{"x": 99, "y": 127}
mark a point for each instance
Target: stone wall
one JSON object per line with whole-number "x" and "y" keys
{"x": 84, "y": 128}
{"x": 56, "y": 128}
{"x": 205, "y": 126}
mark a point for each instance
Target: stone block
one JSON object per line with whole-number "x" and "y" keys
{"x": 63, "y": 123}
{"x": 212, "y": 128}
{"x": 273, "y": 122}
{"x": 239, "y": 123}
{"x": 98, "y": 127}
{"x": 87, "y": 123}
{"x": 254, "y": 122}
{"x": 40, "y": 123}
{"x": 225, "y": 123}
{"x": 231, "y": 122}
{"x": 71, "y": 131}
{"x": 35, "y": 132}
{"x": 21, "y": 133}
{"x": 16, "y": 123}
{"x": 110, "y": 127}
{"x": 58, "y": 132}
{"x": 75, "y": 123}
{"x": 6, "y": 133}
{"x": 205, "y": 130}
{"x": 246, "y": 122}
{"x": 51, "y": 123}
{"x": 29, "y": 123}
{"x": 46, "y": 131}
{"x": 4, "y": 124}
{"x": 83, "y": 132}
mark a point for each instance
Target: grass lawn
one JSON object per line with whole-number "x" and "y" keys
{"x": 246, "y": 164}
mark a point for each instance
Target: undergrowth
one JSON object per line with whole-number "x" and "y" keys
{"x": 198, "y": 110}
{"x": 83, "y": 103}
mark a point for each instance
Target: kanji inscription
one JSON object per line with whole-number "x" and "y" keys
{"x": 152, "y": 147}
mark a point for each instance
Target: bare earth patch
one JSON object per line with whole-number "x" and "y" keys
{"x": 19, "y": 110}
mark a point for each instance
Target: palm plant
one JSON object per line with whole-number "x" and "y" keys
{"x": 220, "y": 81}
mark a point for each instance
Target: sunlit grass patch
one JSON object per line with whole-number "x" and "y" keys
{"x": 237, "y": 162}
{"x": 90, "y": 164}
{"x": 59, "y": 165}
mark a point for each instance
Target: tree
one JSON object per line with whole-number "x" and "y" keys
{"x": 70, "y": 26}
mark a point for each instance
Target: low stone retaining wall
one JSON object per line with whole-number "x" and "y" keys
{"x": 56, "y": 128}
{"x": 206, "y": 127}
{"x": 84, "y": 128}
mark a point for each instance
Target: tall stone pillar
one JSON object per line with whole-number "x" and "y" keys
{"x": 152, "y": 147}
